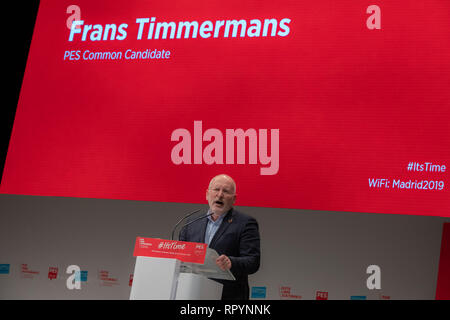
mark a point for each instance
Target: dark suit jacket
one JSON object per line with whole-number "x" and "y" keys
{"x": 237, "y": 238}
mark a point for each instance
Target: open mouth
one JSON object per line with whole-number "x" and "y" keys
{"x": 218, "y": 203}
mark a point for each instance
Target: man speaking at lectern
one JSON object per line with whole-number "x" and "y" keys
{"x": 232, "y": 234}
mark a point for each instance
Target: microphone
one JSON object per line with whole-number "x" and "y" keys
{"x": 190, "y": 222}
{"x": 185, "y": 217}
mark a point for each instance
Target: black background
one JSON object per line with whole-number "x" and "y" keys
{"x": 18, "y": 18}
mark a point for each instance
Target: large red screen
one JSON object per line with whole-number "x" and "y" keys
{"x": 319, "y": 105}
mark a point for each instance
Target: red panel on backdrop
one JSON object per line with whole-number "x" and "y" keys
{"x": 338, "y": 116}
{"x": 443, "y": 284}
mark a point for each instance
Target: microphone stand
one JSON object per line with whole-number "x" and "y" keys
{"x": 202, "y": 217}
{"x": 185, "y": 217}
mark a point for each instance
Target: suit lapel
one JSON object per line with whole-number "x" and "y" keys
{"x": 202, "y": 231}
{"x": 227, "y": 220}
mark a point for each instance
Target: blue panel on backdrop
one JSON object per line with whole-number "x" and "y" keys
{"x": 4, "y": 268}
{"x": 258, "y": 292}
{"x": 358, "y": 298}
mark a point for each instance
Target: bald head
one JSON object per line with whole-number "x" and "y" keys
{"x": 223, "y": 177}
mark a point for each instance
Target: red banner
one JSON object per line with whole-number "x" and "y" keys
{"x": 160, "y": 248}
{"x": 320, "y": 105}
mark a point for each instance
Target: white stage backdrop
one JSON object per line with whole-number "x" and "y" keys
{"x": 303, "y": 252}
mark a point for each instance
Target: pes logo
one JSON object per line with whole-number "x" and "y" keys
{"x": 52, "y": 272}
{"x": 199, "y": 249}
{"x": 321, "y": 295}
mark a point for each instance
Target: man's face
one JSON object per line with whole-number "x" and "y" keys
{"x": 221, "y": 195}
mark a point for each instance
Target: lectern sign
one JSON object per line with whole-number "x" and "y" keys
{"x": 161, "y": 248}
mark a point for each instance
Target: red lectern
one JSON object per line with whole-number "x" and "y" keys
{"x": 168, "y": 270}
